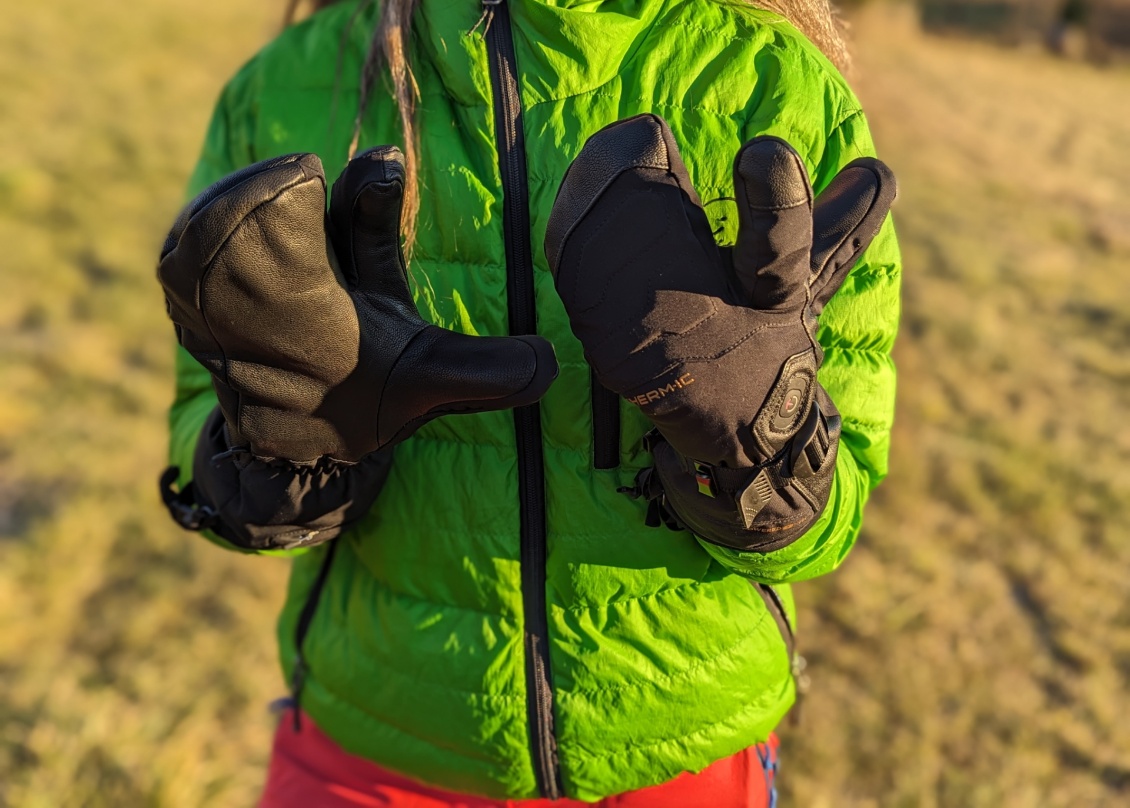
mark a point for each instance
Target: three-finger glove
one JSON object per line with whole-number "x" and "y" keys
{"x": 314, "y": 344}
{"x": 318, "y": 355}
{"x": 717, "y": 346}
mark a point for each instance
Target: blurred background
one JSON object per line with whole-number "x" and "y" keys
{"x": 973, "y": 651}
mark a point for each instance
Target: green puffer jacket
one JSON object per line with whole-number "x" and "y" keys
{"x": 664, "y": 654}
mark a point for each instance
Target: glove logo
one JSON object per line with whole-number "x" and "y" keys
{"x": 643, "y": 399}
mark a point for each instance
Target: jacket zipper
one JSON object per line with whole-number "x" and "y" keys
{"x": 305, "y": 618}
{"x": 605, "y": 427}
{"x": 527, "y": 421}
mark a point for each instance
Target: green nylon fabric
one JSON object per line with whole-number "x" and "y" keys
{"x": 663, "y": 656}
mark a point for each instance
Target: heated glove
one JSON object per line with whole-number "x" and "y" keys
{"x": 314, "y": 344}
{"x": 318, "y": 356}
{"x": 715, "y": 345}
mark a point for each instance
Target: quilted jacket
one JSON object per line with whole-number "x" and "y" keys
{"x": 502, "y": 622}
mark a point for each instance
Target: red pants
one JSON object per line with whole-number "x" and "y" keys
{"x": 308, "y": 770}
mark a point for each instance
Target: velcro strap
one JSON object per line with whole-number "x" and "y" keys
{"x": 751, "y": 488}
{"x": 182, "y": 505}
{"x": 810, "y": 446}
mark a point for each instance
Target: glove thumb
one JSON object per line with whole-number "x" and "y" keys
{"x": 847, "y": 216}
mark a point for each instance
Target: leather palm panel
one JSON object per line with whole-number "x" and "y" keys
{"x": 307, "y": 330}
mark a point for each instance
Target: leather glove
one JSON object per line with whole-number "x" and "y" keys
{"x": 717, "y": 346}
{"x": 314, "y": 344}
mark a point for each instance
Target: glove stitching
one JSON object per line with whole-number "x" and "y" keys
{"x": 385, "y": 387}
{"x": 628, "y": 324}
{"x": 598, "y": 231}
{"x": 200, "y": 293}
{"x": 674, "y": 363}
{"x": 775, "y": 208}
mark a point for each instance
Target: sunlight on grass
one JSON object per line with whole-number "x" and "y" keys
{"x": 136, "y": 662}
{"x": 963, "y": 655}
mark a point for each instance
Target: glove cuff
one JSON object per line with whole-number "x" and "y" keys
{"x": 756, "y": 509}
{"x": 257, "y": 504}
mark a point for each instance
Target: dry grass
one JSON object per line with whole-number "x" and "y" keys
{"x": 974, "y": 651}
{"x": 135, "y": 662}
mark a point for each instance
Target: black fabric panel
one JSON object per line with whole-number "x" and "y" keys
{"x": 271, "y": 505}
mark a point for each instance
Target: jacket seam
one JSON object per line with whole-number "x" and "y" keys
{"x": 610, "y": 605}
{"x": 863, "y": 349}
{"x": 884, "y": 426}
{"x": 635, "y": 599}
{"x": 628, "y": 749}
{"x": 702, "y": 663}
{"x": 422, "y": 258}
{"x": 879, "y": 271}
{"x": 651, "y": 103}
{"x": 382, "y": 668}
{"x": 395, "y": 727}
{"x": 420, "y": 436}
{"x": 439, "y": 604}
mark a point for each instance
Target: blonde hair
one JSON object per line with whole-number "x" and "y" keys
{"x": 816, "y": 19}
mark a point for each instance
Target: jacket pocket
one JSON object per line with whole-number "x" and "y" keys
{"x": 605, "y": 426}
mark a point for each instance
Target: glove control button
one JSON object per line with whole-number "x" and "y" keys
{"x": 791, "y": 404}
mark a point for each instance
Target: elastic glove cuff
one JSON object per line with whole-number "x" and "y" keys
{"x": 263, "y": 504}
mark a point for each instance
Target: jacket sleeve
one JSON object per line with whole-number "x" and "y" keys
{"x": 238, "y": 501}
{"x": 857, "y": 331}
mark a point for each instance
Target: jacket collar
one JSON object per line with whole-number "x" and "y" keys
{"x": 563, "y": 47}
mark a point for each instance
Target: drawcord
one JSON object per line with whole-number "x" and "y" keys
{"x": 298, "y": 677}
{"x": 182, "y": 505}
{"x": 647, "y": 486}
{"x": 486, "y": 18}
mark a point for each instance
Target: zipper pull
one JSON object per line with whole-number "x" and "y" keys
{"x": 486, "y": 17}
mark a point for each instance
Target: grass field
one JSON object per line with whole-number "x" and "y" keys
{"x": 974, "y": 650}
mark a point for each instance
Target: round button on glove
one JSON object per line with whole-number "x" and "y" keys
{"x": 715, "y": 345}
{"x": 315, "y": 346}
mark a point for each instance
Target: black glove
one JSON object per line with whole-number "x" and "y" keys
{"x": 259, "y": 504}
{"x": 314, "y": 344}
{"x": 716, "y": 346}
{"x": 318, "y": 355}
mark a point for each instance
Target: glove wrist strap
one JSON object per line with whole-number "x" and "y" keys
{"x": 182, "y": 505}
{"x": 751, "y": 488}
